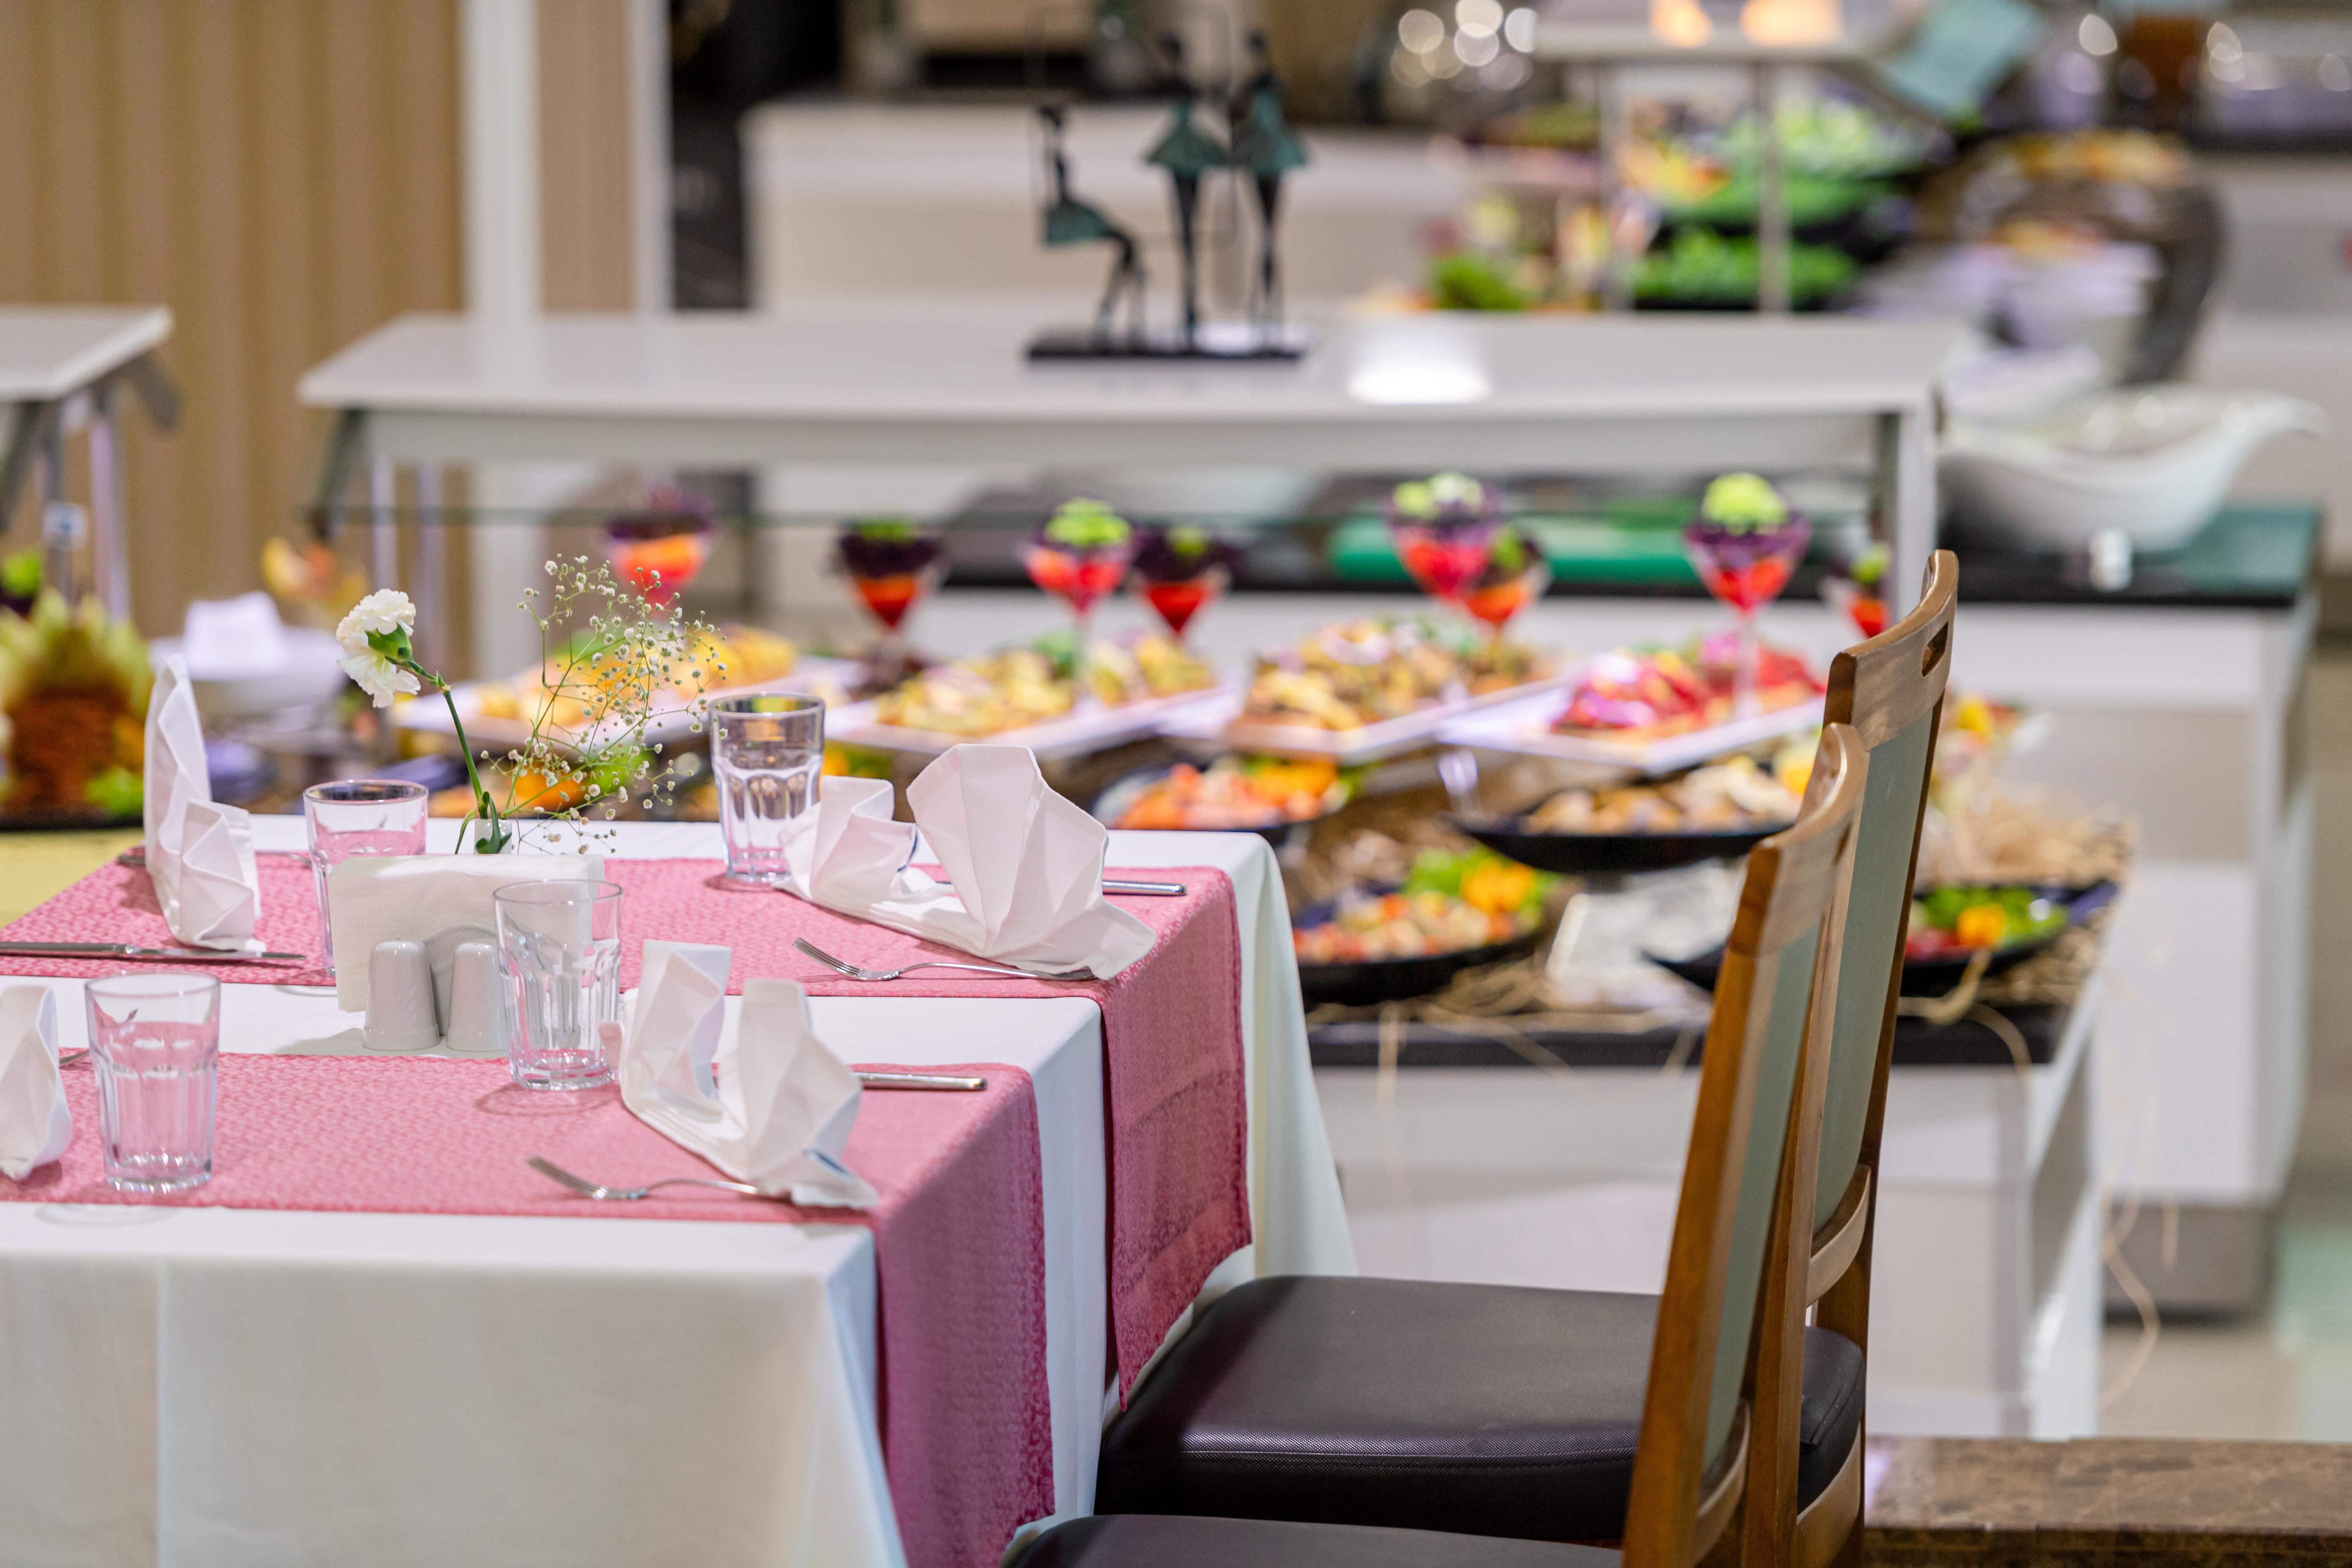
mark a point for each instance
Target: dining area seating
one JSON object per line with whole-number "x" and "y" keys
{"x": 1308, "y": 1420}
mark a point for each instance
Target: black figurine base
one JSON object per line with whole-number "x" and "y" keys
{"x": 1222, "y": 342}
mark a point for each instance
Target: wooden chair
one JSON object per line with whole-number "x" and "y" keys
{"x": 1891, "y": 690}
{"x": 1551, "y": 1415}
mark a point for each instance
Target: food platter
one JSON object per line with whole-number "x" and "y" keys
{"x": 1369, "y": 742}
{"x": 1525, "y": 728}
{"x": 1124, "y": 792}
{"x": 1073, "y": 734}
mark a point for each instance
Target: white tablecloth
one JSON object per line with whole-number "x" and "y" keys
{"x": 241, "y": 1386}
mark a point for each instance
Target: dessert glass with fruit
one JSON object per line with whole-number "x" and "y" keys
{"x": 1515, "y": 576}
{"x": 1858, "y": 587}
{"x": 1745, "y": 542}
{"x": 892, "y": 561}
{"x": 660, "y": 549}
{"x": 1444, "y": 529}
{"x": 1080, "y": 556}
{"x": 1182, "y": 570}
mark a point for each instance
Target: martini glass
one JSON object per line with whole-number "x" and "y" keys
{"x": 661, "y": 550}
{"x": 1858, "y": 587}
{"x": 1515, "y": 576}
{"x": 1444, "y": 530}
{"x": 1080, "y": 564}
{"x": 1746, "y": 566}
{"x": 893, "y": 564}
{"x": 1183, "y": 571}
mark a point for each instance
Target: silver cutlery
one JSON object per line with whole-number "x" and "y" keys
{"x": 1144, "y": 890}
{"x": 586, "y": 1188}
{"x": 67, "y": 1059}
{"x": 856, "y": 971}
{"x": 146, "y": 954}
{"x": 137, "y": 855}
{"x": 944, "y": 1080}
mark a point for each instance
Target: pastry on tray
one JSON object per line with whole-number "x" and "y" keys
{"x": 1020, "y": 687}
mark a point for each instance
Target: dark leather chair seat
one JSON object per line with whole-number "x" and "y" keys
{"x": 1484, "y": 1410}
{"x": 1156, "y": 1541}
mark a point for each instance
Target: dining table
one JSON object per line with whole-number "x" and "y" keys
{"x": 188, "y": 1385}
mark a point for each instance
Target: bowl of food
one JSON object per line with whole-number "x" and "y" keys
{"x": 1455, "y": 911}
{"x": 1719, "y": 812}
{"x": 1266, "y": 795}
{"x": 1956, "y": 926}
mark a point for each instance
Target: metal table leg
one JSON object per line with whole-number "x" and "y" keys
{"x": 109, "y": 543}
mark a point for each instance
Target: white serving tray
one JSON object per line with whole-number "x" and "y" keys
{"x": 1372, "y": 741}
{"x": 1073, "y": 734}
{"x": 1525, "y": 728}
{"x": 428, "y": 714}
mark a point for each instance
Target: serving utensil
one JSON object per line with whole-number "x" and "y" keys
{"x": 147, "y": 955}
{"x": 857, "y": 971}
{"x": 603, "y": 1193}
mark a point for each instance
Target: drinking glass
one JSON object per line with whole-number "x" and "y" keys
{"x": 154, "y": 1040}
{"x": 1746, "y": 569}
{"x": 560, "y": 958}
{"x": 358, "y": 816}
{"x": 767, "y": 751}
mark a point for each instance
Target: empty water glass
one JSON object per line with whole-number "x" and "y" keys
{"x": 767, "y": 751}
{"x": 155, "y": 1041}
{"x": 560, "y": 960}
{"x": 358, "y": 816}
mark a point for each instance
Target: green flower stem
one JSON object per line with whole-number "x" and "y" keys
{"x": 496, "y": 837}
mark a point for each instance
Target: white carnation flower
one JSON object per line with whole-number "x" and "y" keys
{"x": 378, "y": 676}
{"x": 386, "y": 610}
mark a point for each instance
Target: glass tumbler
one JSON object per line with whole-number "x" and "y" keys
{"x": 560, "y": 961}
{"x": 358, "y": 816}
{"x": 767, "y": 752}
{"x": 154, "y": 1040}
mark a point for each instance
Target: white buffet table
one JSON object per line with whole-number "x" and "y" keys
{"x": 206, "y": 1385}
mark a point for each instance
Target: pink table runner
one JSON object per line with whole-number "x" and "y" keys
{"x": 1179, "y": 1134}
{"x": 1171, "y": 1053}
{"x": 959, "y": 1236}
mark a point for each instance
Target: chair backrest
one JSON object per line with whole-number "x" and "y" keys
{"x": 1691, "y": 1466}
{"x": 1891, "y": 690}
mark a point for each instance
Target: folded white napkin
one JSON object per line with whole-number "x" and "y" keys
{"x": 758, "y": 1095}
{"x": 1023, "y": 865}
{"x": 199, "y": 855}
{"x": 415, "y": 897}
{"x": 34, "y": 1125}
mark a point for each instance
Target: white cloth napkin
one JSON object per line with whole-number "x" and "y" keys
{"x": 199, "y": 855}
{"x": 34, "y": 1125}
{"x": 759, "y": 1095}
{"x": 1023, "y": 865}
{"x": 415, "y": 897}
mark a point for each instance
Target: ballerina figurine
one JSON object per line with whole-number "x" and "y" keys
{"x": 1069, "y": 221}
{"x": 1186, "y": 153}
{"x": 1265, "y": 148}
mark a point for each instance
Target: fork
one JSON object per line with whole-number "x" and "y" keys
{"x": 855, "y": 971}
{"x": 586, "y": 1188}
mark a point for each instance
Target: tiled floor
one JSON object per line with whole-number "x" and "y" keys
{"x": 2287, "y": 1372}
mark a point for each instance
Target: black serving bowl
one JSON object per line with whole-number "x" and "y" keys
{"x": 1587, "y": 854}
{"x": 1369, "y": 982}
{"x": 1939, "y": 976}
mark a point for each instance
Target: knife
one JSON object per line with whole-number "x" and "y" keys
{"x": 919, "y": 1081}
{"x": 145, "y": 954}
{"x": 1144, "y": 890}
{"x": 137, "y": 855}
